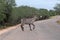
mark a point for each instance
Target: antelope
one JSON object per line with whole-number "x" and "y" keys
{"x": 28, "y": 21}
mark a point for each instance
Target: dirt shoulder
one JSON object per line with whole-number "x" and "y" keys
{"x": 8, "y": 29}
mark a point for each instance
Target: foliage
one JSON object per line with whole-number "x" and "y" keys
{"x": 11, "y": 15}
{"x": 57, "y": 9}
{"x": 52, "y": 13}
{"x": 6, "y": 7}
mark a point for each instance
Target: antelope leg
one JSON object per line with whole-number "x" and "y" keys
{"x": 30, "y": 27}
{"x": 22, "y": 27}
{"x": 33, "y": 26}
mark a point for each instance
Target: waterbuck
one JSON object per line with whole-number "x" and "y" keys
{"x": 28, "y": 21}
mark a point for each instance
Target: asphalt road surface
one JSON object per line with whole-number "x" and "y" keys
{"x": 45, "y": 30}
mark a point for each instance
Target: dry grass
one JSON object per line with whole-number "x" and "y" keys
{"x": 54, "y": 16}
{"x": 58, "y": 21}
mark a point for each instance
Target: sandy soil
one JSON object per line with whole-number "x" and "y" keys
{"x": 8, "y": 29}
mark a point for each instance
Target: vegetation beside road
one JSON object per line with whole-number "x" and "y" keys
{"x": 11, "y": 15}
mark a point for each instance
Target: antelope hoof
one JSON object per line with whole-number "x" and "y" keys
{"x": 30, "y": 29}
{"x": 33, "y": 28}
{"x": 22, "y": 30}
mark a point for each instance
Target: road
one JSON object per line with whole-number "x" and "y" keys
{"x": 45, "y": 30}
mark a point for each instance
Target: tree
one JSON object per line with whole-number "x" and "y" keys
{"x": 8, "y": 6}
{"x": 52, "y": 13}
{"x": 44, "y": 13}
{"x": 2, "y": 16}
{"x": 57, "y": 9}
